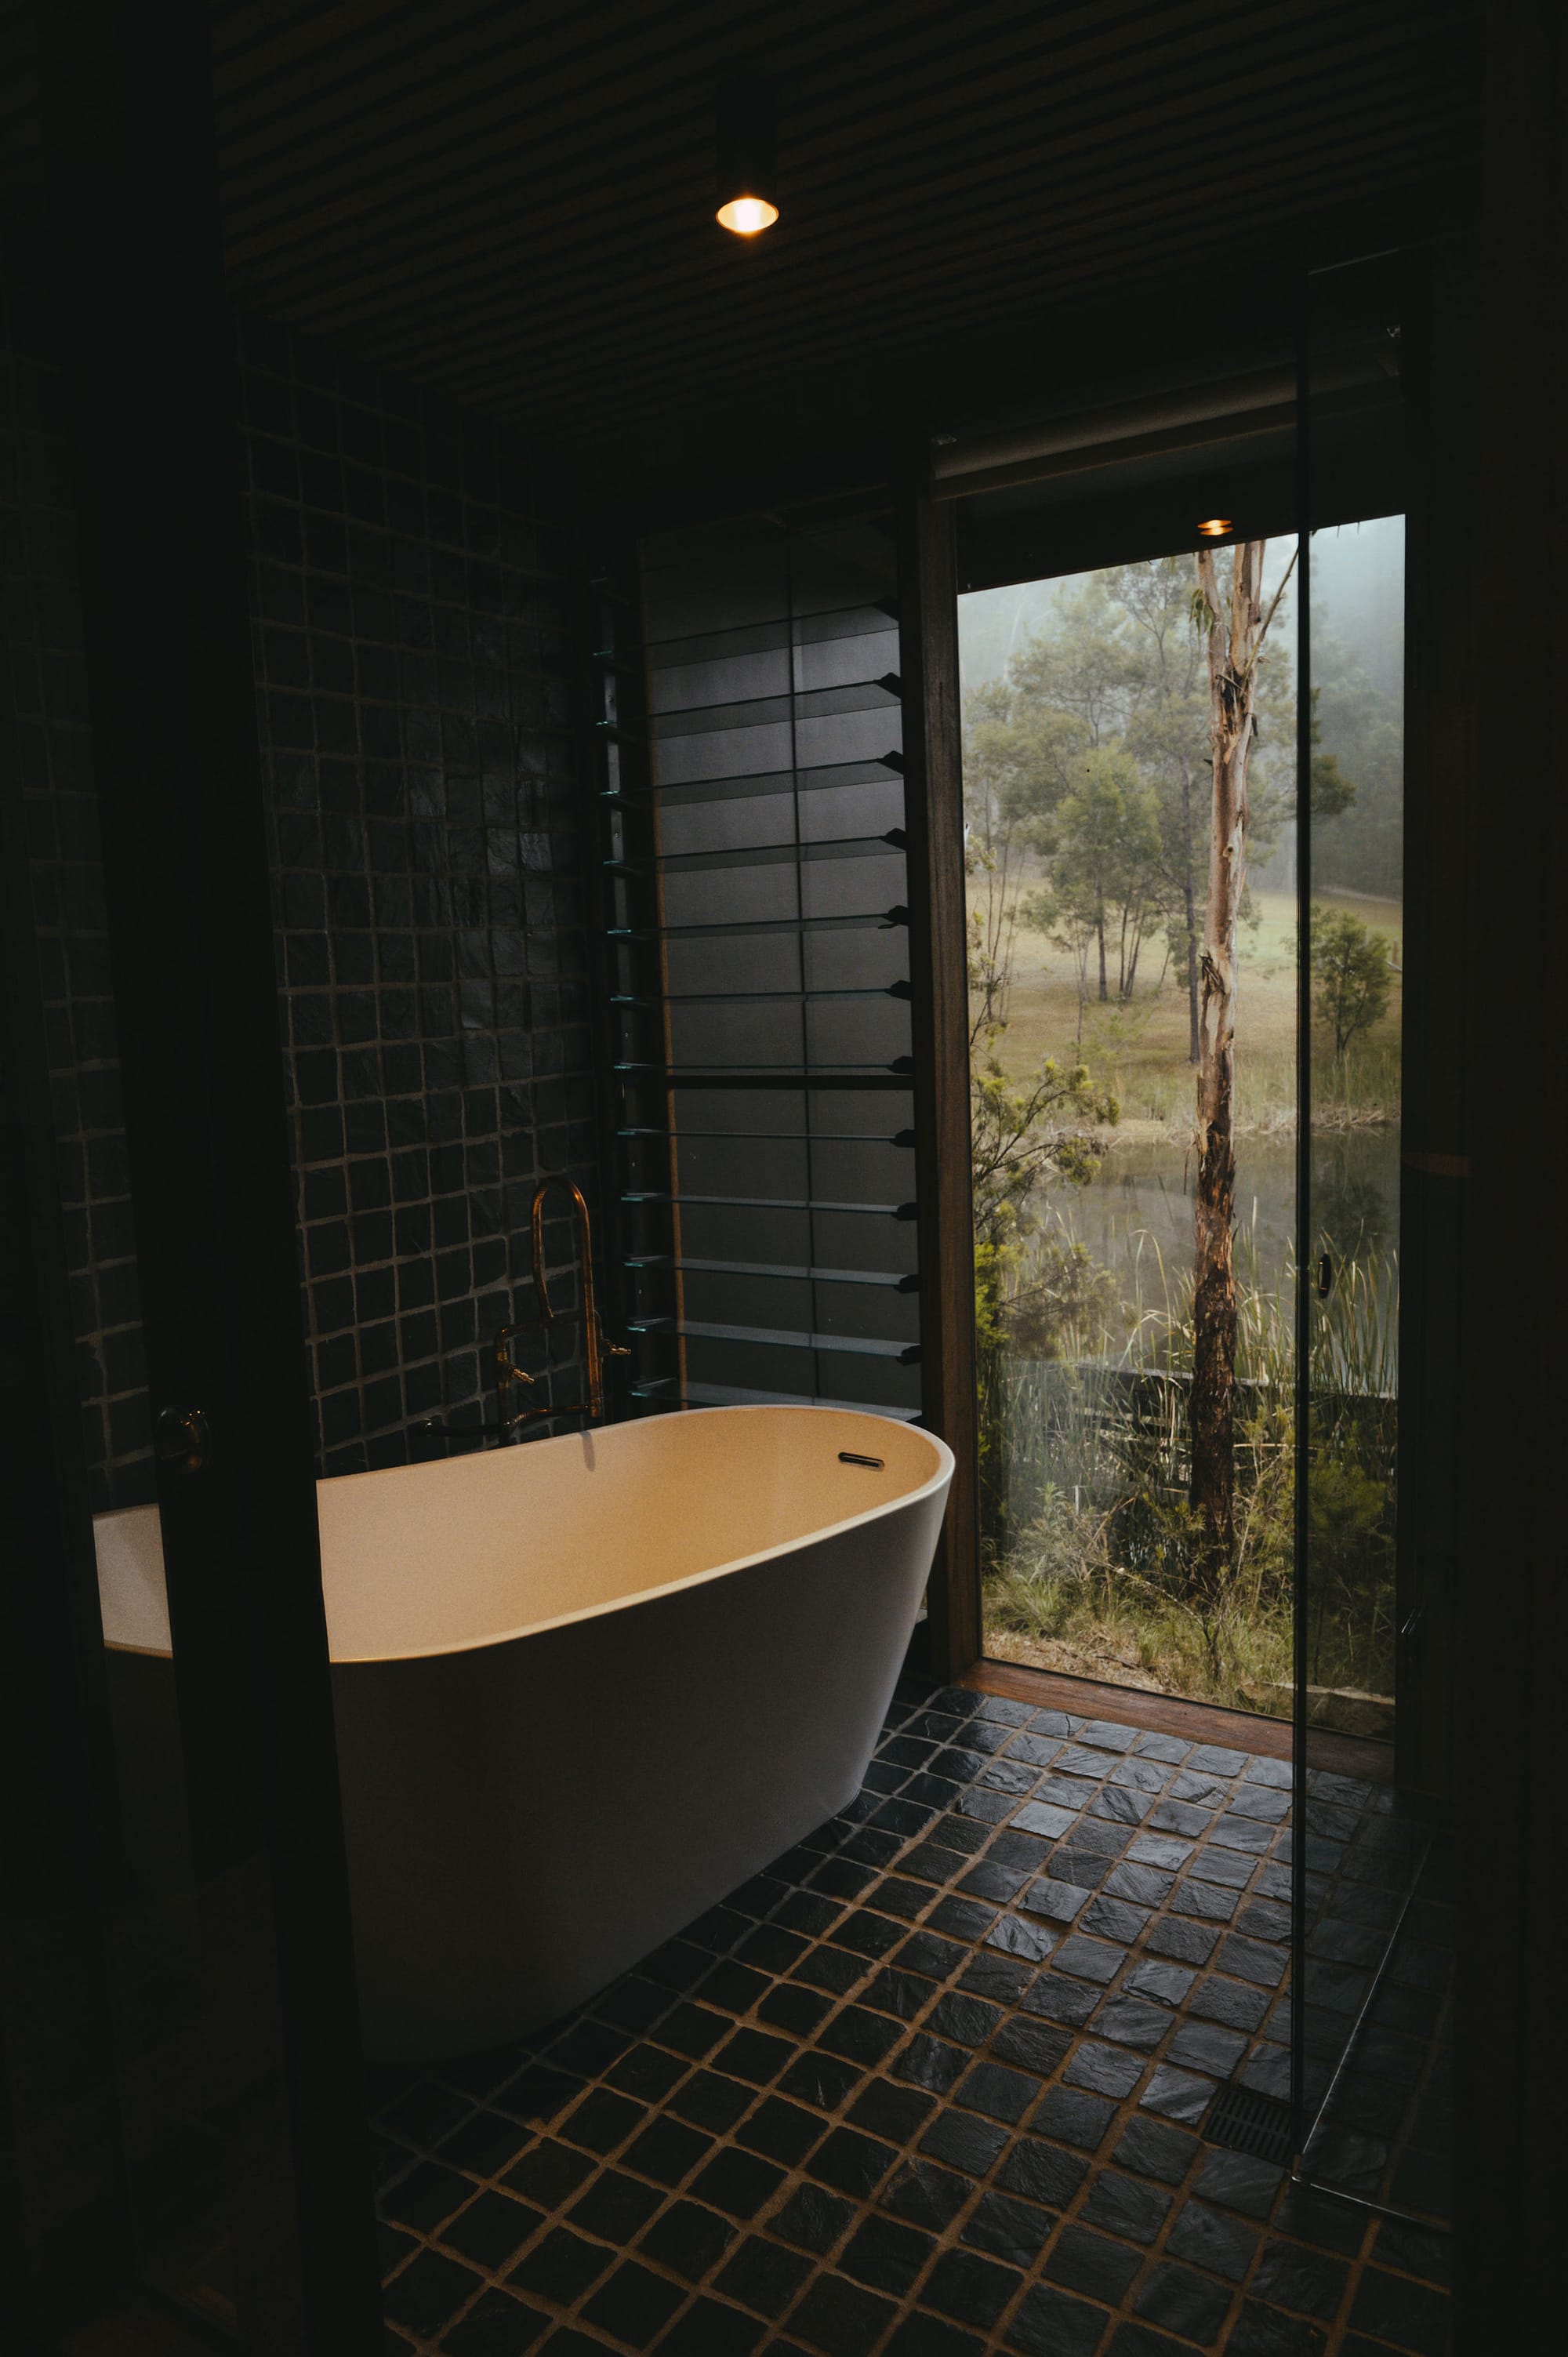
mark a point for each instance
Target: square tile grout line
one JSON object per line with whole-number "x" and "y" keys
{"x": 985, "y": 2141}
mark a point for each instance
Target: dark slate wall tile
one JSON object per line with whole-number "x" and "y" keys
{"x": 41, "y": 597}
{"x": 416, "y": 713}
{"x": 414, "y": 707}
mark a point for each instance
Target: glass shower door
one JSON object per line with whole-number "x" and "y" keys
{"x": 1373, "y": 1933}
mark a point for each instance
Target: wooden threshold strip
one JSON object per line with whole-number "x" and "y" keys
{"x": 1200, "y": 1722}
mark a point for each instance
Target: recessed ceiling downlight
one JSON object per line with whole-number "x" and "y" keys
{"x": 747, "y": 215}
{"x": 748, "y": 191}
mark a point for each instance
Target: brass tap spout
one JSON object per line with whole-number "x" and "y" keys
{"x": 596, "y": 1348}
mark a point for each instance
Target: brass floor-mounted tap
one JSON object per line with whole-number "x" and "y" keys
{"x": 596, "y": 1348}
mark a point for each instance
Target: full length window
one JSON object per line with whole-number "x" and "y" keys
{"x": 1130, "y": 914}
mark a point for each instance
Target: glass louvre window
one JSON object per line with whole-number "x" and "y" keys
{"x": 758, "y": 967}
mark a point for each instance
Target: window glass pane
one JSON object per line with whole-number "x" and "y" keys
{"x": 1097, "y": 969}
{"x": 1375, "y": 1929}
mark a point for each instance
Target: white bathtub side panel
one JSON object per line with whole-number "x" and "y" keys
{"x": 132, "y": 1599}
{"x": 527, "y": 1820}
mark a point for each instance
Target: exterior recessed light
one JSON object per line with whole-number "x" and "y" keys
{"x": 1216, "y": 527}
{"x": 748, "y": 191}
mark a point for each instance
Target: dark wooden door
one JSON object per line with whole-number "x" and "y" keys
{"x": 201, "y": 1843}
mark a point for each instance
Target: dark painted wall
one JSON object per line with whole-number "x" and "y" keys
{"x": 420, "y": 751}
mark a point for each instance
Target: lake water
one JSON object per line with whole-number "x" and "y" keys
{"x": 1138, "y": 1211}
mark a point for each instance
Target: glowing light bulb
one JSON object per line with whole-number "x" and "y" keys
{"x": 746, "y": 189}
{"x": 1216, "y": 527}
{"x": 747, "y": 215}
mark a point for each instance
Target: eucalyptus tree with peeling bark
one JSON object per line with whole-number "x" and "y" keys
{"x": 1234, "y": 630}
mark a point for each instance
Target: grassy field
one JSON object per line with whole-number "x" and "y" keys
{"x": 1141, "y": 1049}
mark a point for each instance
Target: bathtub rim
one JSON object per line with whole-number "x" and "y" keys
{"x": 939, "y": 1480}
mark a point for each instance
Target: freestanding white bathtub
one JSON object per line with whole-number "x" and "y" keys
{"x": 585, "y": 1687}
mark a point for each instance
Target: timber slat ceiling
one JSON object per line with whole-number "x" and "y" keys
{"x": 513, "y": 203}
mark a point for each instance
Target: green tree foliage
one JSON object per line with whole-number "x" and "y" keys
{"x": 1359, "y": 845}
{"x": 1063, "y": 1300}
{"x": 1028, "y": 1291}
{"x": 1332, "y": 792}
{"x": 1087, "y": 777}
{"x": 1023, "y": 1136}
{"x": 1109, "y": 857}
{"x": 1108, "y": 888}
{"x": 1352, "y": 978}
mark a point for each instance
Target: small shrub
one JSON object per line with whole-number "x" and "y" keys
{"x": 1090, "y": 1538}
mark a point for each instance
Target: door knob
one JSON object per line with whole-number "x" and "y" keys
{"x": 182, "y": 1438}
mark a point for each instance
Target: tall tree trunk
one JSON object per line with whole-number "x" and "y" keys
{"x": 1192, "y": 1047}
{"x": 1189, "y": 912}
{"x": 1099, "y": 931}
{"x": 1233, "y": 641}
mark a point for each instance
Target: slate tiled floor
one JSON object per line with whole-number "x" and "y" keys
{"x": 931, "y": 2086}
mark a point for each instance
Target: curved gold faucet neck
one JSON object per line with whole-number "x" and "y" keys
{"x": 588, "y": 1314}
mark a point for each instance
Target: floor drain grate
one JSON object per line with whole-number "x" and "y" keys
{"x": 1248, "y": 2122}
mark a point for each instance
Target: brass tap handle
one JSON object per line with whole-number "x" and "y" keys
{"x": 507, "y": 1368}
{"x": 509, "y": 1375}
